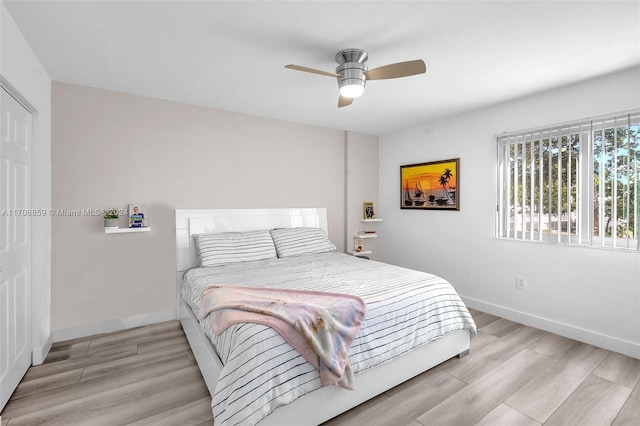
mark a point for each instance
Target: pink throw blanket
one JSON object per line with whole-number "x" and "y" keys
{"x": 319, "y": 325}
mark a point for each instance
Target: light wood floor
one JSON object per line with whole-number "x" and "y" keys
{"x": 142, "y": 376}
{"x": 515, "y": 375}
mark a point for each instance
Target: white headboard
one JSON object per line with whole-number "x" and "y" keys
{"x": 201, "y": 221}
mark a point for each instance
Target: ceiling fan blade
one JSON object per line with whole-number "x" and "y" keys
{"x": 311, "y": 70}
{"x": 399, "y": 69}
{"x": 343, "y": 102}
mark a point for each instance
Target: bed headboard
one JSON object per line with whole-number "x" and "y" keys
{"x": 200, "y": 221}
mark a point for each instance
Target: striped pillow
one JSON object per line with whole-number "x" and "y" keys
{"x": 297, "y": 241}
{"x": 234, "y": 247}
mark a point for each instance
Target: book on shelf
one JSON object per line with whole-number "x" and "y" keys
{"x": 362, "y": 234}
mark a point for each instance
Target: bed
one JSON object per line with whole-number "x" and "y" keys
{"x": 273, "y": 385}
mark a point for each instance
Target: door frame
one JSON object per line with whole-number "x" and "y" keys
{"x": 30, "y": 342}
{"x": 41, "y": 232}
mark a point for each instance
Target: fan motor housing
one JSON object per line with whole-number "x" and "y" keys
{"x": 352, "y": 68}
{"x": 352, "y": 55}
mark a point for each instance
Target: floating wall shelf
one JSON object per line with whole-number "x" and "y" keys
{"x": 359, "y": 253}
{"x": 366, "y": 235}
{"x": 123, "y": 230}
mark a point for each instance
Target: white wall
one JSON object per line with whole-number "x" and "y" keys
{"x": 588, "y": 294}
{"x": 362, "y": 185}
{"x": 111, "y": 149}
{"x": 24, "y": 75}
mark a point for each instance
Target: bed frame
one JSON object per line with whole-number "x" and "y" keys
{"x": 328, "y": 401}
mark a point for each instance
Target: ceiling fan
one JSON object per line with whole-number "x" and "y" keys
{"x": 352, "y": 73}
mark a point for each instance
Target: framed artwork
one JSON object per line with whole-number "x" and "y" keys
{"x": 137, "y": 215}
{"x": 367, "y": 210}
{"x": 358, "y": 244}
{"x": 430, "y": 186}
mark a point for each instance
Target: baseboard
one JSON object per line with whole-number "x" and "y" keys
{"x": 572, "y": 332}
{"x": 112, "y": 325}
{"x": 39, "y": 354}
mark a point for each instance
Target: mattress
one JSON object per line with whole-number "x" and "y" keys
{"x": 405, "y": 309}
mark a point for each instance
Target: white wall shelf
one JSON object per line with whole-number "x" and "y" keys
{"x": 362, "y": 236}
{"x": 122, "y": 230}
{"x": 359, "y": 253}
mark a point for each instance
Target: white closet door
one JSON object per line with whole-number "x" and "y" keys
{"x": 15, "y": 244}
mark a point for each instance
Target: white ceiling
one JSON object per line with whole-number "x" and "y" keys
{"x": 231, "y": 54}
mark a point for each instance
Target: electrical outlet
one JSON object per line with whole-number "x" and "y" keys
{"x": 521, "y": 282}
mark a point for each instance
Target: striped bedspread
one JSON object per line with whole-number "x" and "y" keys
{"x": 405, "y": 309}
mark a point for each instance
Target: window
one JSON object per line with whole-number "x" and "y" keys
{"x": 575, "y": 183}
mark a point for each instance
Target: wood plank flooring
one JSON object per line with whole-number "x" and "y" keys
{"x": 142, "y": 376}
{"x": 514, "y": 375}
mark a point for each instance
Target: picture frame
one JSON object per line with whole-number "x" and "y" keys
{"x": 434, "y": 185}
{"x": 368, "y": 211}
{"x": 358, "y": 244}
{"x": 138, "y": 215}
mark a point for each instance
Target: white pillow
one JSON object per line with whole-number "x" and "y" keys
{"x": 234, "y": 247}
{"x": 297, "y": 241}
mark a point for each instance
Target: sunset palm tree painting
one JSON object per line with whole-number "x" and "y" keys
{"x": 434, "y": 185}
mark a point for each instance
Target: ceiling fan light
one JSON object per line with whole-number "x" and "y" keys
{"x": 352, "y": 90}
{"x": 352, "y": 80}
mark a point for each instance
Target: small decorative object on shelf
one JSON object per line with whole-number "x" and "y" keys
{"x": 358, "y": 245}
{"x": 137, "y": 215}
{"x": 367, "y": 208}
{"x": 111, "y": 219}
